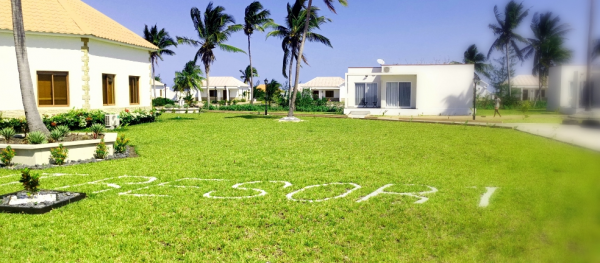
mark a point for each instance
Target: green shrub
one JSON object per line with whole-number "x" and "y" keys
{"x": 64, "y": 130}
{"x": 6, "y": 155}
{"x": 7, "y": 133}
{"x": 36, "y": 137}
{"x": 169, "y": 106}
{"x": 121, "y": 144}
{"x": 96, "y": 130}
{"x": 157, "y": 102}
{"x": 524, "y": 108}
{"x": 30, "y": 181}
{"x": 59, "y": 154}
{"x": 56, "y": 135}
{"x": 243, "y": 100}
{"x": 222, "y": 102}
{"x": 101, "y": 150}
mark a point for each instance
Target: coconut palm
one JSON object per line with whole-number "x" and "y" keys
{"x": 247, "y": 75}
{"x": 291, "y": 36}
{"x": 256, "y": 18}
{"x": 308, "y": 17}
{"x": 190, "y": 78}
{"x": 546, "y": 46}
{"x": 506, "y": 39}
{"x": 34, "y": 121}
{"x": 473, "y": 56}
{"x": 162, "y": 40}
{"x": 214, "y": 29}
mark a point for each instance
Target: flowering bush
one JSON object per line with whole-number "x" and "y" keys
{"x": 138, "y": 116}
{"x": 78, "y": 119}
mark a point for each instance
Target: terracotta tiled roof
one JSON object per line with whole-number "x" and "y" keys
{"x": 72, "y": 17}
{"x": 225, "y": 81}
{"x": 324, "y": 82}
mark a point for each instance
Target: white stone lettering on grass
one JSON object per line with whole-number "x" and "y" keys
{"x": 422, "y": 199}
{"x": 485, "y": 198}
{"x": 44, "y": 176}
{"x": 113, "y": 186}
{"x": 239, "y": 186}
{"x": 290, "y": 196}
{"x": 130, "y": 193}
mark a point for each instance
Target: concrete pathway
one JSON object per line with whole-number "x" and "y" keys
{"x": 572, "y": 134}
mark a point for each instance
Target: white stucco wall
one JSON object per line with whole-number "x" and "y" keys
{"x": 436, "y": 89}
{"x": 565, "y": 86}
{"x": 63, "y": 53}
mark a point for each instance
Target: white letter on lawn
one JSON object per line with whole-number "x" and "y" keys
{"x": 485, "y": 198}
{"x": 239, "y": 186}
{"x": 419, "y": 195}
{"x": 290, "y": 195}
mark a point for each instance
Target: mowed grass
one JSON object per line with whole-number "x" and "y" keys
{"x": 545, "y": 209}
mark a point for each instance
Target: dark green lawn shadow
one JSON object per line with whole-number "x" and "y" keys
{"x": 179, "y": 118}
{"x": 252, "y": 117}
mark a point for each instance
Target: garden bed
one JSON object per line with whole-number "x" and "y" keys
{"x": 71, "y": 138}
{"x": 39, "y": 154}
{"x": 44, "y": 203}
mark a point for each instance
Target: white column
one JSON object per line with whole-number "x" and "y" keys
{"x": 227, "y": 90}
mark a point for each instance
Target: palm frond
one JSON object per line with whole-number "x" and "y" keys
{"x": 229, "y": 48}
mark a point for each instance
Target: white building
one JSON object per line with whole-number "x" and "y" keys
{"x": 483, "y": 90}
{"x": 78, "y": 57}
{"x": 332, "y": 88}
{"x": 528, "y": 87}
{"x": 566, "y": 89}
{"x": 411, "y": 90}
{"x": 223, "y": 88}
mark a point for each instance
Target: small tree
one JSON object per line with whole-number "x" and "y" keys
{"x": 30, "y": 181}
{"x": 6, "y": 155}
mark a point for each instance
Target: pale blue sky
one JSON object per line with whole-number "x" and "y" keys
{"x": 398, "y": 31}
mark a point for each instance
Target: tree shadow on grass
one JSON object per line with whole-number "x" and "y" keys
{"x": 252, "y": 117}
{"x": 180, "y": 119}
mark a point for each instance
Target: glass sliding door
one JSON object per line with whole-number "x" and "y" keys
{"x": 359, "y": 99}
{"x": 405, "y": 94}
{"x": 398, "y": 94}
{"x": 366, "y": 95}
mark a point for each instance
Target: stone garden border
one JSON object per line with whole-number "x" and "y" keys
{"x": 40, "y": 209}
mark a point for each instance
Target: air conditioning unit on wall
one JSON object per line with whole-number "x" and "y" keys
{"x": 386, "y": 69}
{"x": 111, "y": 121}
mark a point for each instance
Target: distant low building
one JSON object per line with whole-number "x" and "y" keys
{"x": 332, "y": 88}
{"x": 528, "y": 86}
{"x": 567, "y": 90}
{"x": 78, "y": 57}
{"x": 223, "y": 88}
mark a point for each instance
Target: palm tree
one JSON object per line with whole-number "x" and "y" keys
{"x": 190, "y": 78}
{"x": 546, "y": 46}
{"x": 214, "y": 29}
{"x": 247, "y": 75}
{"x": 291, "y": 35}
{"x": 34, "y": 121}
{"x": 308, "y": 17}
{"x": 256, "y": 18}
{"x": 596, "y": 52}
{"x": 472, "y": 56}
{"x": 272, "y": 88}
{"x": 162, "y": 40}
{"x": 514, "y": 14}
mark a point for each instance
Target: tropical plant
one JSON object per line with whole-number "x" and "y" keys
{"x": 59, "y": 154}
{"x": 30, "y": 181}
{"x": 101, "y": 151}
{"x": 291, "y": 35}
{"x": 188, "y": 79}
{"x": 6, "y": 155}
{"x": 121, "y": 144}
{"x": 473, "y": 56}
{"x": 514, "y": 14}
{"x": 56, "y": 135}
{"x": 34, "y": 121}
{"x": 7, "y": 133}
{"x": 64, "y": 130}
{"x": 546, "y": 46}
{"x": 36, "y": 137}
{"x": 247, "y": 76}
{"x": 255, "y": 18}
{"x": 162, "y": 40}
{"x": 213, "y": 29}
{"x": 272, "y": 90}
{"x": 96, "y": 129}
{"x": 305, "y": 36}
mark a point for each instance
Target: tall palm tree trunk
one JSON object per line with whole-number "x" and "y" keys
{"x": 34, "y": 121}
{"x": 207, "y": 70}
{"x": 540, "y": 85}
{"x": 153, "y": 79}
{"x": 290, "y": 82}
{"x": 588, "y": 78}
{"x": 251, "y": 74}
{"x": 508, "y": 70}
{"x": 298, "y": 61}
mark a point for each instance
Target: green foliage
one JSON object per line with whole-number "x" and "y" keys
{"x": 138, "y": 116}
{"x": 121, "y": 144}
{"x": 64, "y": 130}
{"x": 7, "y": 133}
{"x": 59, "y": 154}
{"x": 56, "y": 135}
{"x": 101, "y": 151}
{"x": 6, "y": 155}
{"x": 30, "y": 181}
{"x": 36, "y": 137}
{"x": 169, "y": 106}
{"x": 96, "y": 129}
{"x": 157, "y": 102}
{"x": 525, "y": 106}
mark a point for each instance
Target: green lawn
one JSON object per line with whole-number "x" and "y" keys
{"x": 547, "y": 206}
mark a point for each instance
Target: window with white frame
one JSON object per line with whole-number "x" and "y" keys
{"x": 398, "y": 94}
{"x": 366, "y": 95}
